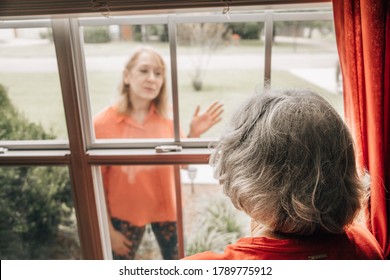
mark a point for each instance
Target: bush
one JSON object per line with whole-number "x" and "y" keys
{"x": 247, "y": 30}
{"x": 48, "y": 34}
{"x": 36, "y": 208}
{"x": 220, "y": 227}
{"x": 14, "y": 126}
{"x": 164, "y": 36}
{"x": 137, "y": 33}
{"x": 94, "y": 35}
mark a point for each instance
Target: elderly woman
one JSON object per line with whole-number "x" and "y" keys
{"x": 287, "y": 160}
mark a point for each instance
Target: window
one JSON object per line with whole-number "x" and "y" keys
{"x": 252, "y": 49}
{"x": 30, "y": 75}
{"x": 37, "y": 214}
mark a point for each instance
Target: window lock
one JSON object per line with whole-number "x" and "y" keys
{"x": 168, "y": 148}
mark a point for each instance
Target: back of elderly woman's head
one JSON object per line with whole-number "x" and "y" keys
{"x": 288, "y": 161}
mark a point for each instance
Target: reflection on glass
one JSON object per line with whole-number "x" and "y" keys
{"x": 218, "y": 61}
{"x": 37, "y": 217}
{"x": 304, "y": 54}
{"x": 141, "y": 203}
{"x": 30, "y": 80}
{"x": 204, "y": 204}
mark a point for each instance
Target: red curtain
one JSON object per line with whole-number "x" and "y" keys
{"x": 363, "y": 41}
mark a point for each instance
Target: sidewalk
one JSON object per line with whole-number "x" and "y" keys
{"x": 204, "y": 175}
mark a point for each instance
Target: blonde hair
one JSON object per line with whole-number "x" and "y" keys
{"x": 288, "y": 161}
{"x": 161, "y": 101}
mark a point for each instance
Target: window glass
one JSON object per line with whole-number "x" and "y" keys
{"x": 215, "y": 62}
{"x": 30, "y": 86}
{"x": 210, "y": 220}
{"x": 141, "y": 203}
{"x": 37, "y": 217}
{"x": 218, "y": 62}
{"x": 108, "y": 50}
{"x": 304, "y": 54}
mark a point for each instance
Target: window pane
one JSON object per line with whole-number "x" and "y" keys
{"x": 218, "y": 62}
{"x": 142, "y": 206}
{"x": 205, "y": 204}
{"x": 141, "y": 202}
{"x": 37, "y": 217}
{"x": 304, "y": 54}
{"x": 107, "y": 51}
{"x": 29, "y": 76}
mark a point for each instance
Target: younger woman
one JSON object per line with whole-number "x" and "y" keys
{"x": 141, "y": 195}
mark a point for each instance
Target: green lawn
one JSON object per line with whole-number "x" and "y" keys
{"x": 38, "y": 95}
{"x": 231, "y": 88}
{"x": 125, "y": 47}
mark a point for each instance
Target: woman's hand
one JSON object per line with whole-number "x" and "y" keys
{"x": 202, "y": 122}
{"x": 119, "y": 243}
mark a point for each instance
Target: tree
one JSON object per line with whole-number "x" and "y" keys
{"x": 205, "y": 39}
{"x": 36, "y": 207}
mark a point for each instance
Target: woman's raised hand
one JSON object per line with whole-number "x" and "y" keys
{"x": 201, "y": 122}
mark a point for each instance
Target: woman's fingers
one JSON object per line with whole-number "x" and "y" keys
{"x": 127, "y": 242}
{"x": 214, "y": 107}
{"x": 215, "y": 110}
{"x": 217, "y": 120}
{"x": 197, "y": 111}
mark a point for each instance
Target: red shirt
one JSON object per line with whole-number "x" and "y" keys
{"x": 139, "y": 194}
{"x": 356, "y": 244}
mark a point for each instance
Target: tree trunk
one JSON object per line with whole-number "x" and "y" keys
{"x": 197, "y": 84}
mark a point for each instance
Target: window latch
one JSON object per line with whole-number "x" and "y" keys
{"x": 168, "y": 148}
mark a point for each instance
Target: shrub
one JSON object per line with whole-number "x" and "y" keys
{"x": 247, "y": 30}
{"x": 94, "y": 35}
{"x": 220, "y": 227}
{"x": 36, "y": 208}
{"x": 47, "y": 34}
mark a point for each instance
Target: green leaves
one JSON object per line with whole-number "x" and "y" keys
{"x": 220, "y": 227}
{"x": 35, "y": 202}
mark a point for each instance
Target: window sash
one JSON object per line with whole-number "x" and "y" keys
{"x": 90, "y": 143}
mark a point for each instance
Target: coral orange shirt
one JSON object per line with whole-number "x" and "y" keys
{"x": 356, "y": 244}
{"x": 134, "y": 193}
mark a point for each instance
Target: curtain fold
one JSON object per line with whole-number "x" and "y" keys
{"x": 363, "y": 41}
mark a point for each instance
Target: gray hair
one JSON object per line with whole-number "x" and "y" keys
{"x": 288, "y": 161}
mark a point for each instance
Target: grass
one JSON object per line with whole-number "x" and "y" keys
{"x": 46, "y": 48}
{"x": 231, "y": 87}
{"x": 38, "y": 95}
